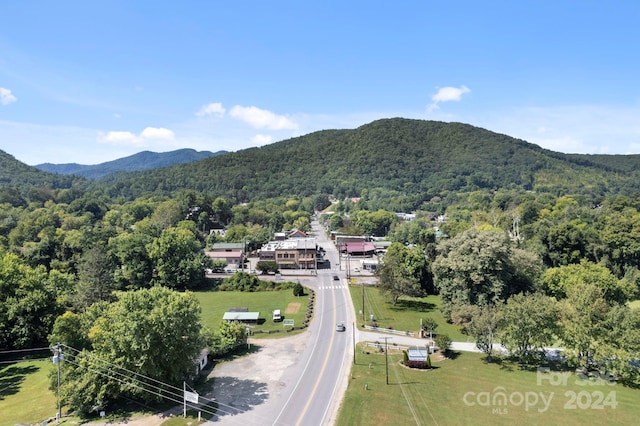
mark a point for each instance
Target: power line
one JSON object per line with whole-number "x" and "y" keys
{"x": 24, "y": 360}
{"x": 152, "y": 391}
{"x": 157, "y": 390}
{"x": 24, "y": 350}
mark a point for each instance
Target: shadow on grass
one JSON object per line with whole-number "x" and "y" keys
{"x": 11, "y": 377}
{"x": 413, "y": 305}
{"x": 452, "y": 355}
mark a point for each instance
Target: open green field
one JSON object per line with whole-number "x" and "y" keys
{"x": 215, "y": 303}
{"x": 635, "y": 304}
{"x": 466, "y": 390}
{"x": 405, "y": 315}
{"x": 24, "y": 393}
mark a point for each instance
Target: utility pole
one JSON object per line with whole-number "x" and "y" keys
{"x": 57, "y": 359}
{"x": 386, "y": 355}
{"x": 354, "y": 342}
{"x": 362, "y": 301}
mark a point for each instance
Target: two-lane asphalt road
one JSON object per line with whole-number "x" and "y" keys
{"x": 311, "y": 388}
{"x": 319, "y": 388}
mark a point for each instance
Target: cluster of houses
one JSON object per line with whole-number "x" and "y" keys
{"x": 296, "y": 250}
{"x": 293, "y": 250}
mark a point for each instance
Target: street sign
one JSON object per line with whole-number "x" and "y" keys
{"x": 191, "y": 397}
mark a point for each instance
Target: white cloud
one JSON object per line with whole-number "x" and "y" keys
{"x": 6, "y": 97}
{"x": 260, "y": 118}
{"x": 157, "y": 133}
{"x": 120, "y": 138}
{"x": 214, "y": 108}
{"x": 129, "y": 138}
{"x": 261, "y": 140}
{"x": 447, "y": 94}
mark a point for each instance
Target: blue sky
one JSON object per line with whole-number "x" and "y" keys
{"x": 92, "y": 81}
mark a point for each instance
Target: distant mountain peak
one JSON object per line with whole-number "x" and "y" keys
{"x": 144, "y": 160}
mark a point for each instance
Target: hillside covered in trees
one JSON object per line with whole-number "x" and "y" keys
{"x": 410, "y": 159}
{"x": 407, "y": 161}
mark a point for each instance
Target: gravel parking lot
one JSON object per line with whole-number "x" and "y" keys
{"x": 247, "y": 387}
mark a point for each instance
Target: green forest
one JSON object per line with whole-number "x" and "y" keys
{"x": 501, "y": 225}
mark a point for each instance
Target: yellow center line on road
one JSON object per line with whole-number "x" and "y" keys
{"x": 324, "y": 367}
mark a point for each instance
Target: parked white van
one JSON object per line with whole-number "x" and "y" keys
{"x": 276, "y": 315}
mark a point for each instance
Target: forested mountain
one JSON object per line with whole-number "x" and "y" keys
{"x": 144, "y": 160}
{"x": 400, "y": 159}
{"x": 17, "y": 178}
{"x": 390, "y": 157}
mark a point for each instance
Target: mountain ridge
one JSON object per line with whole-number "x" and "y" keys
{"x": 406, "y": 157}
{"x": 144, "y": 160}
{"x": 397, "y": 158}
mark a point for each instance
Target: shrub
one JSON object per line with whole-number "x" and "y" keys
{"x": 443, "y": 341}
{"x": 298, "y": 290}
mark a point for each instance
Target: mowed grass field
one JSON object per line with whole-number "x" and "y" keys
{"x": 215, "y": 303}
{"x": 25, "y": 397}
{"x": 405, "y": 315}
{"x": 466, "y": 390}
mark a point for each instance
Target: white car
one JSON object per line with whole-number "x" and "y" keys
{"x": 340, "y": 326}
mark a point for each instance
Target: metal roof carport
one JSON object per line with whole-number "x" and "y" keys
{"x": 241, "y": 316}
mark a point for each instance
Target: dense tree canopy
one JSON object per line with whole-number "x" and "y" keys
{"x": 529, "y": 323}
{"x": 478, "y": 268}
{"x": 155, "y": 333}
{"x": 403, "y": 272}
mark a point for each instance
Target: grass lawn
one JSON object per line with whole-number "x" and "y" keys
{"x": 635, "y": 304}
{"x": 216, "y": 303}
{"x": 461, "y": 390}
{"x": 405, "y": 315}
{"x": 24, "y": 393}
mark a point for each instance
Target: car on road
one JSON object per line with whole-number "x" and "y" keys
{"x": 336, "y": 278}
{"x": 340, "y": 326}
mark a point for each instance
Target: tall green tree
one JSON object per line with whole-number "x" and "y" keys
{"x": 152, "y": 332}
{"x": 483, "y": 323}
{"x": 28, "y": 303}
{"x": 582, "y": 315}
{"x": 403, "y": 272}
{"x": 478, "y": 268}
{"x": 529, "y": 323}
{"x": 618, "y": 352}
{"x": 178, "y": 258}
{"x": 558, "y": 281}
{"x": 134, "y": 267}
{"x": 95, "y": 277}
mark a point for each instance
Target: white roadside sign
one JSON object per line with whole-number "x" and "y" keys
{"x": 191, "y": 397}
